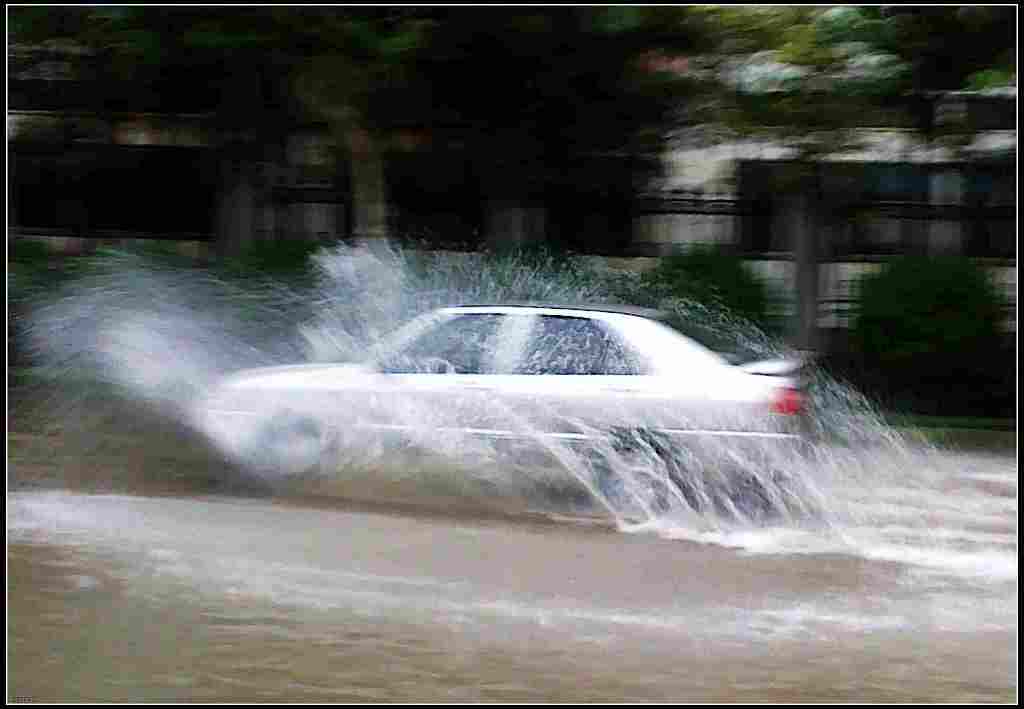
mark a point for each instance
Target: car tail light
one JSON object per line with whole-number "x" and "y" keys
{"x": 788, "y": 401}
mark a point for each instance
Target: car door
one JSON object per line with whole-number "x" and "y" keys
{"x": 573, "y": 375}
{"x": 437, "y": 381}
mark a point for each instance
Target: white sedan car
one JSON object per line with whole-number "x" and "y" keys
{"x": 551, "y": 375}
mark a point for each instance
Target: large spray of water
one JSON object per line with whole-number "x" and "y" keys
{"x": 165, "y": 335}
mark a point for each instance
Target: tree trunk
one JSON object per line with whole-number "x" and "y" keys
{"x": 510, "y": 225}
{"x": 801, "y": 219}
{"x": 369, "y": 189}
{"x": 12, "y": 193}
{"x": 235, "y": 208}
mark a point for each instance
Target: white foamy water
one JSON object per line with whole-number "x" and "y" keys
{"x": 934, "y": 521}
{"x": 888, "y": 572}
{"x": 430, "y": 569}
{"x": 164, "y": 336}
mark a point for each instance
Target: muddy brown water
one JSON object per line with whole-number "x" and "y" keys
{"x": 136, "y": 573}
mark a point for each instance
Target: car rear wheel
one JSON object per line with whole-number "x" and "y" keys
{"x": 708, "y": 482}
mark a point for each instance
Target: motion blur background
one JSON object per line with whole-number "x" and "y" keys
{"x": 196, "y": 190}
{"x": 816, "y": 145}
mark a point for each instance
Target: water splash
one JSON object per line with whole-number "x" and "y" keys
{"x": 366, "y": 292}
{"x": 164, "y": 335}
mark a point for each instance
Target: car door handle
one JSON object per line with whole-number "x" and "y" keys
{"x": 478, "y": 387}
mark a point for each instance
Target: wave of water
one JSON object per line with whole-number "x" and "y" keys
{"x": 165, "y": 335}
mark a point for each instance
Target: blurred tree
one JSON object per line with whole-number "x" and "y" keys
{"x": 543, "y": 100}
{"x": 809, "y": 75}
{"x": 929, "y": 333}
{"x": 548, "y": 104}
{"x": 810, "y": 78}
{"x": 541, "y": 95}
{"x": 710, "y": 275}
{"x": 259, "y": 70}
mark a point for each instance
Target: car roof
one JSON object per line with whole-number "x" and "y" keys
{"x": 614, "y": 308}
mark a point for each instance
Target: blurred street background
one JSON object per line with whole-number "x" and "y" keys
{"x": 193, "y": 190}
{"x": 819, "y": 146}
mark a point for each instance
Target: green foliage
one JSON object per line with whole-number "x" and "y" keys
{"x": 33, "y": 268}
{"x": 279, "y": 259}
{"x": 934, "y": 308}
{"x": 542, "y": 79}
{"x": 930, "y": 326}
{"x": 852, "y": 66}
{"x": 940, "y": 46}
{"x": 27, "y": 252}
{"x": 710, "y": 275}
{"x": 989, "y": 79}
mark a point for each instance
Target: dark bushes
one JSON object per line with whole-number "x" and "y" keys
{"x": 710, "y": 275}
{"x": 929, "y": 338}
{"x": 714, "y": 297}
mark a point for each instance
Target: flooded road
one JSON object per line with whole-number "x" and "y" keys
{"x": 122, "y": 597}
{"x": 141, "y": 566}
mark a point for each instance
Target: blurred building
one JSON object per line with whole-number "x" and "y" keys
{"x": 158, "y": 164}
{"x": 894, "y": 192}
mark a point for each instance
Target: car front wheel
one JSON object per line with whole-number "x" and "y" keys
{"x": 289, "y": 446}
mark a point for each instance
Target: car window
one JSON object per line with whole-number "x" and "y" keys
{"x": 579, "y": 346}
{"x": 461, "y": 345}
{"x": 620, "y": 359}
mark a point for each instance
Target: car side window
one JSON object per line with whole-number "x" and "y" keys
{"x": 575, "y": 346}
{"x": 461, "y": 345}
{"x": 620, "y": 359}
